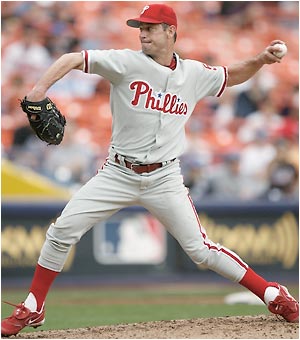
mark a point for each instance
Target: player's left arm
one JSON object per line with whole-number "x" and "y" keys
{"x": 241, "y": 72}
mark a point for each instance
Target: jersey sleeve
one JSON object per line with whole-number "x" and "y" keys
{"x": 211, "y": 80}
{"x": 107, "y": 63}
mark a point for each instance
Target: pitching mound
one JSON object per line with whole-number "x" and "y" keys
{"x": 241, "y": 327}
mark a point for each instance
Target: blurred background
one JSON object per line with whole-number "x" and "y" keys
{"x": 242, "y": 160}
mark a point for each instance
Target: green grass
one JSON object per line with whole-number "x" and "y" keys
{"x": 74, "y": 308}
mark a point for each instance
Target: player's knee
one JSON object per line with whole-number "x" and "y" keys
{"x": 198, "y": 254}
{"x": 59, "y": 239}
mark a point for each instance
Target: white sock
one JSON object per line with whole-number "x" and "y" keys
{"x": 30, "y": 302}
{"x": 270, "y": 294}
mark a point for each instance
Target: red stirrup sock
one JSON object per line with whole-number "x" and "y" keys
{"x": 255, "y": 283}
{"x": 41, "y": 282}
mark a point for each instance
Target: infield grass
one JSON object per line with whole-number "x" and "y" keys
{"x": 78, "y": 307}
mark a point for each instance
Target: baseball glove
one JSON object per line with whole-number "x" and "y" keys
{"x": 45, "y": 119}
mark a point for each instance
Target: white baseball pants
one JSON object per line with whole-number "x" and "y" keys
{"x": 161, "y": 192}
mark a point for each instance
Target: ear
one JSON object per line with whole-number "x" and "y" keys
{"x": 171, "y": 31}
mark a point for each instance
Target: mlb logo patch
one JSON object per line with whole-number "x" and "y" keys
{"x": 131, "y": 239}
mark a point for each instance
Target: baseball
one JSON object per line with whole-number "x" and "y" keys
{"x": 282, "y": 52}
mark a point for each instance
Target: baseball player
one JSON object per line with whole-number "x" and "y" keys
{"x": 153, "y": 94}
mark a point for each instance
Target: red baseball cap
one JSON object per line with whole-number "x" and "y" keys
{"x": 155, "y": 14}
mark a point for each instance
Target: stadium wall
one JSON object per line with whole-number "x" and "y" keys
{"x": 265, "y": 235}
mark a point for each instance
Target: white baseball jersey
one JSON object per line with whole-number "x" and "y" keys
{"x": 151, "y": 103}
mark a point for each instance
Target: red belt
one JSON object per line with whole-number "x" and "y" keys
{"x": 140, "y": 168}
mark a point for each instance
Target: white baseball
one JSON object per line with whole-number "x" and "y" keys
{"x": 282, "y": 50}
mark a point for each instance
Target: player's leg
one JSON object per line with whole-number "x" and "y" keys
{"x": 106, "y": 193}
{"x": 173, "y": 207}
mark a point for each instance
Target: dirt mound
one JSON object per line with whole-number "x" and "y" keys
{"x": 241, "y": 327}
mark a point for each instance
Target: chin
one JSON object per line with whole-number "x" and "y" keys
{"x": 146, "y": 51}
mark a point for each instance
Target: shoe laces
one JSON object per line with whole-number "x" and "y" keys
{"x": 12, "y": 304}
{"x": 19, "y": 306}
{"x": 22, "y": 306}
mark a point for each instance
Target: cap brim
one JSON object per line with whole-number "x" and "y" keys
{"x": 137, "y": 22}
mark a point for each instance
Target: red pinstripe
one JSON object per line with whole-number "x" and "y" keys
{"x": 103, "y": 165}
{"x": 86, "y": 61}
{"x": 224, "y": 83}
{"x": 209, "y": 246}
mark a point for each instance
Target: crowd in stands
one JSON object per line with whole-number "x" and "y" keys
{"x": 241, "y": 146}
